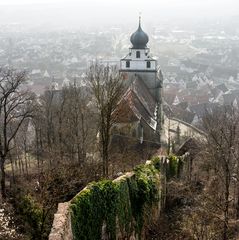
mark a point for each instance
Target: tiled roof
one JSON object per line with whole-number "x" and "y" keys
{"x": 137, "y": 103}
{"x": 201, "y": 109}
{"x": 142, "y": 92}
{"x": 229, "y": 98}
{"x": 222, "y": 87}
{"x": 183, "y": 115}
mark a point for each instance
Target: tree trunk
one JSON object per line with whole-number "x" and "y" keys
{"x": 225, "y": 224}
{"x": 79, "y": 153}
{"x": 25, "y": 155}
{"x": 226, "y": 210}
{"x": 3, "y": 176}
{"x": 83, "y": 152}
{"x": 237, "y": 204}
{"x": 106, "y": 164}
{"x": 13, "y": 169}
{"x": 26, "y": 167}
{"x": 105, "y": 156}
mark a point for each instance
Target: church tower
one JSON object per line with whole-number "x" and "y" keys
{"x": 139, "y": 63}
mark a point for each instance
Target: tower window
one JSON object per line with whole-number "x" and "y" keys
{"x": 137, "y": 54}
{"x": 148, "y": 64}
{"x": 127, "y": 64}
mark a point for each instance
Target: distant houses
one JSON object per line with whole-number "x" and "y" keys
{"x": 191, "y": 103}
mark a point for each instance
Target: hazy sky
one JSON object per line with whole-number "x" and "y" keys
{"x": 104, "y": 12}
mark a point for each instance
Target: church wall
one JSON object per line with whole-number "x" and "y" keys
{"x": 138, "y": 65}
{"x": 128, "y": 129}
{"x": 149, "y": 135}
{"x": 137, "y": 131}
{"x": 144, "y": 54}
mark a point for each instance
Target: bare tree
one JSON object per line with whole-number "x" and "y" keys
{"x": 15, "y": 108}
{"x": 107, "y": 87}
{"x": 78, "y": 120}
{"x": 63, "y": 125}
{"x": 221, "y": 148}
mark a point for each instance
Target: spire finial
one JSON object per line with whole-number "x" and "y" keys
{"x": 139, "y": 19}
{"x": 139, "y": 39}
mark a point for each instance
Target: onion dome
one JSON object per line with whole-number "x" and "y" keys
{"x": 139, "y": 39}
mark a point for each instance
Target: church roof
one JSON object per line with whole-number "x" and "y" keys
{"x": 142, "y": 92}
{"x": 136, "y": 104}
{"x": 139, "y": 39}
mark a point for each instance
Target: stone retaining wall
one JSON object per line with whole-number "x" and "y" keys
{"x": 61, "y": 228}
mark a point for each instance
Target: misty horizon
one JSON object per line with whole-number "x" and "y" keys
{"x": 99, "y": 14}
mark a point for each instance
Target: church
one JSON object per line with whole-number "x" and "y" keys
{"x": 139, "y": 112}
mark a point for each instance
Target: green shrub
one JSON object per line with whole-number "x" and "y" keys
{"x": 91, "y": 208}
{"x": 32, "y": 214}
{"x": 156, "y": 161}
{"x": 146, "y": 194}
{"x": 173, "y": 166}
{"x": 124, "y": 210}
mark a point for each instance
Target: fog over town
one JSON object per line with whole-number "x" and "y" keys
{"x": 92, "y": 89}
{"x": 63, "y": 36}
{"x": 93, "y": 13}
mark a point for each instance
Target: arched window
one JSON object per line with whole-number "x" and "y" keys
{"x": 127, "y": 64}
{"x": 148, "y": 64}
{"x": 137, "y": 54}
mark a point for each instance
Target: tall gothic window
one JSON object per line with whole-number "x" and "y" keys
{"x": 127, "y": 64}
{"x": 148, "y": 64}
{"x": 137, "y": 54}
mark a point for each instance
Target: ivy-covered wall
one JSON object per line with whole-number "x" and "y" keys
{"x": 117, "y": 209}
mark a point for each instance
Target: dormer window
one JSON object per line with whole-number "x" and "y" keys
{"x": 137, "y": 54}
{"x": 127, "y": 64}
{"x": 148, "y": 64}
